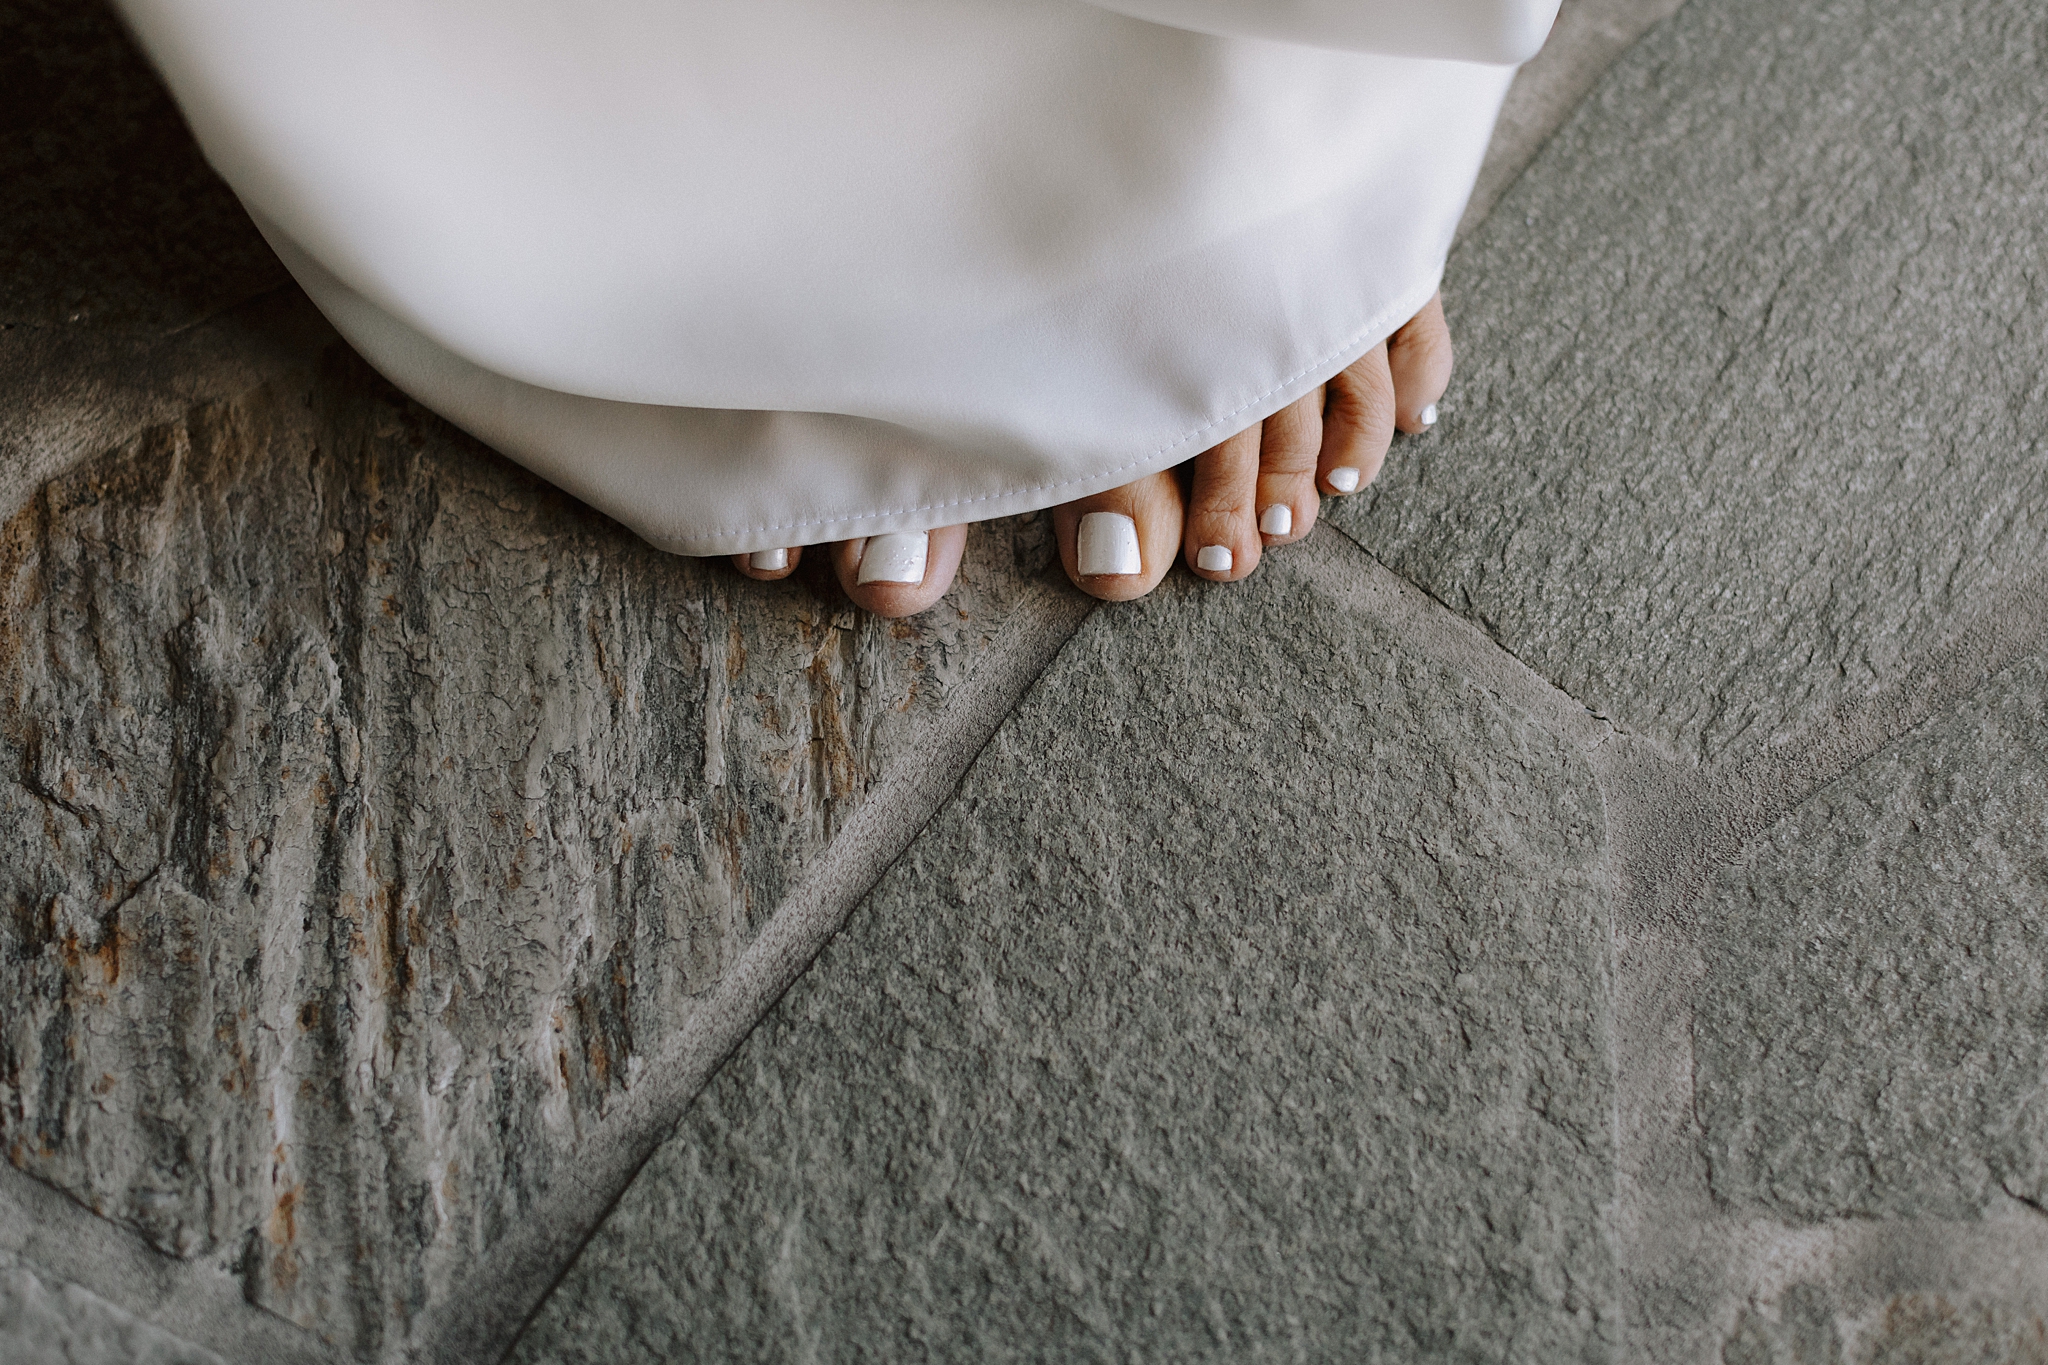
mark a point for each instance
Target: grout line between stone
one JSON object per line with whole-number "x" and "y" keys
{"x": 1669, "y": 826}
{"x": 482, "y": 1320}
{"x": 1770, "y": 780}
{"x": 1351, "y": 574}
{"x": 196, "y": 1300}
{"x": 1674, "y": 821}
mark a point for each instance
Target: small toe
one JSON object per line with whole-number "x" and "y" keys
{"x": 766, "y": 566}
{"x": 1419, "y": 358}
{"x": 1118, "y": 545}
{"x": 1290, "y": 443}
{"x": 900, "y": 573}
{"x": 1221, "y": 535}
{"x": 1358, "y": 424}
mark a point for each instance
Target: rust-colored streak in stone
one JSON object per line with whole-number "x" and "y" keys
{"x": 283, "y": 1227}
{"x": 835, "y": 764}
{"x": 369, "y": 810}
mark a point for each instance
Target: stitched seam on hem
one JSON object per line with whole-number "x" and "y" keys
{"x": 1314, "y": 365}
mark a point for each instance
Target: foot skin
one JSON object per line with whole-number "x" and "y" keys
{"x": 766, "y": 566}
{"x": 899, "y": 575}
{"x": 1132, "y": 537}
{"x": 1258, "y": 489}
{"x": 893, "y": 575}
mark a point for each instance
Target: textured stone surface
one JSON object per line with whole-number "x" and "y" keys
{"x": 1246, "y": 1003}
{"x": 60, "y": 1324}
{"x": 1929, "y": 1329}
{"x": 1586, "y": 39}
{"x": 1753, "y": 375}
{"x": 1807, "y": 1327}
{"x": 109, "y": 217}
{"x": 1871, "y": 1031}
{"x": 1803, "y": 1331}
{"x": 367, "y": 810}
{"x": 366, "y": 807}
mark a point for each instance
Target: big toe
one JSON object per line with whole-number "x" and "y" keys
{"x": 1118, "y": 545}
{"x": 902, "y": 573}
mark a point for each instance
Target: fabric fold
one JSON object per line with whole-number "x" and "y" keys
{"x": 753, "y": 276}
{"x": 1500, "y": 31}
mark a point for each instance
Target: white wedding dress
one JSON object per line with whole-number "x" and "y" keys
{"x": 774, "y": 272}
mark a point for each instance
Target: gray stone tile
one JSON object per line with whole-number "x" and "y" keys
{"x": 1807, "y": 1326}
{"x": 367, "y": 808}
{"x": 1753, "y": 374}
{"x": 1870, "y": 1030}
{"x": 1931, "y": 1329}
{"x": 45, "y": 1322}
{"x": 1247, "y": 1002}
{"x": 1803, "y": 1331}
{"x": 1587, "y": 38}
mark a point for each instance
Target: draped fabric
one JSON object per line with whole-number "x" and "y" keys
{"x": 781, "y": 272}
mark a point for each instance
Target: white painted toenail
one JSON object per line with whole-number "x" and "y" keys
{"x": 768, "y": 561}
{"x": 1214, "y": 559}
{"x": 1277, "y": 520}
{"x": 1107, "y": 543}
{"x": 1427, "y": 416}
{"x": 895, "y": 558}
{"x": 1344, "y": 479}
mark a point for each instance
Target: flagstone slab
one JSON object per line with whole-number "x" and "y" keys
{"x": 1807, "y": 1326}
{"x": 1249, "y": 1001}
{"x": 368, "y": 809}
{"x": 1873, "y": 1023}
{"x": 52, "y": 1323}
{"x": 1932, "y": 1329}
{"x": 1753, "y": 368}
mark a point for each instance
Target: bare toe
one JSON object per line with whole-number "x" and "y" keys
{"x": 1419, "y": 357}
{"x": 900, "y": 574}
{"x": 1289, "y": 444}
{"x": 1358, "y": 424}
{"x": 769, "y": 565}
{"x": 1118, "y": 545}
{"x": 1221, "y": 539}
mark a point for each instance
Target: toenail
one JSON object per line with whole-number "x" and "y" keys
{"x": 1107, "y": 543}
{"x": 1427, "y": 416}
{"x": 768, "y": 561}
{"x": 1344, "y": 479}
{"x": 895, "y": 558}
{"x": 1277, "y": 520}
{"x": 1214, "y": 559}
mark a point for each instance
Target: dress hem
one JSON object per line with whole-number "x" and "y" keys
{"x": 1012, "y": 502}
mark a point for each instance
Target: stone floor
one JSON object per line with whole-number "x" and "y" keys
{"x": 1589, "y": 901}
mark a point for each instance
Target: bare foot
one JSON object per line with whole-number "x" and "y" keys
{"x": 1258, "y": 489}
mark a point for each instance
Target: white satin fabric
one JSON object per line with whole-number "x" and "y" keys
{"x": 746, "y": 275}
